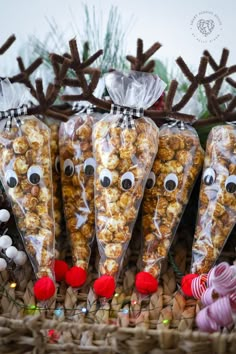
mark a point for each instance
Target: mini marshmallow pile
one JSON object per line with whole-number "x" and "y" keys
{"x": 219, "y": 299}
{"x": 18, "y": 257}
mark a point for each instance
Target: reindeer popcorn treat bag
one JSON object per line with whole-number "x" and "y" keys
{"x": 77, "y": 175}
{"x": 169, "y": 185}
{"x": 25, "y": 171}
{"x": 217, "y": 206}
{"x": 125, "y": 144}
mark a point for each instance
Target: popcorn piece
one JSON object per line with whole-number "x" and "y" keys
{"x": 20, "y": 145}
{"x": 109, "y": 267}
{"x": 113, "y": 250}
{"x": 20, "y": 165}
{"x": 35, "y": 140}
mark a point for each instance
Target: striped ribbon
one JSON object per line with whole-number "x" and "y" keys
{"x": 13, "y": 114}
{"x": 199, "y": 286}
{"x": 174, "y": 122}
{"x": 81, "y": 109}
{"x": 127, "y": 115}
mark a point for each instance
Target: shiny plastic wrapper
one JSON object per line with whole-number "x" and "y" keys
{"x": 77, "y": 176}
{"x": 124, "y": 157}
{"x": 25, "y": 171}
{"x": 217, "y": 200}
{"x": 175, "y": 170}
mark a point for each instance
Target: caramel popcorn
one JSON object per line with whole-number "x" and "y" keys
{"x": 123, "y": 161}
{"x": 175, "y": 170}
{"x": 217, "y": 199}
{"x": 25, "y": 171}
{"x": 77, "y": 177}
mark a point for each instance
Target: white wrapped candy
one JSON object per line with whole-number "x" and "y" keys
{"x": 3, "y": 264}
{"x": 20, "y": 258}
{"x": 11, "y": 252}
{"x": 5, "y": 241}
{"x": 4, "y": 215}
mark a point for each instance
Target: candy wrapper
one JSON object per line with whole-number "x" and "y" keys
{"x": 124, "y": 149}
{"x": 217, "y": 200}
{"x": 169, "y": 185}
{"x": 25, "y": 171}
{"x": 77, "y": 175}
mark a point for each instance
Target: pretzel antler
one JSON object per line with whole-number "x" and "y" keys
{"x": 214, "y": 101}
{"x": 214, "y": 105}
{"x": 47, "y": 100}
{"x": 25, "y": 73}
{"x": 138, "y": 63}
{"x": 222, "y": 64}
{"x": 81, "y": 68}
{"x": 215, "y": 89}
{"x": 196, "y": 80}
{"x": 5, "y": 46}
{"x": 45, "y": 106}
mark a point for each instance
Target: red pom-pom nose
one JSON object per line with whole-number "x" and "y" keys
{"x": 60, "y": 268}
{"x": 186, "y": 284}
{"x": 105, "y": 286}
{"x": 146, "y": 283}
{"x": 76, "y": 277}
{"x": 44, "y": 288}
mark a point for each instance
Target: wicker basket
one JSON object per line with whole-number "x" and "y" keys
{"x": 162, "y": 323}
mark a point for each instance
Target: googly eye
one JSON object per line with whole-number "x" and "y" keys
{"x": 170, "y": 182}
{"x": 57, "y": 165}
{"x": 151, "y": 180}
{"x": 127, "y": 180}
{"x": 68, "y": 168}
{"x": 89, "y": 166}
{"x": 11, "y": 178}
{"x": 34, "y": 174}
{"x": 230, "y": 184}
{"x": 209, "y": 176}
{"x": 105, "y": 178}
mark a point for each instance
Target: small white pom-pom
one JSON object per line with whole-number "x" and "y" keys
{"x": 3, "y": 264}
{"x": 4, "y": 215}
{"x": 11, "y": 252}
{"x": 20, "y": 258}
{"x": 5, "y": 241}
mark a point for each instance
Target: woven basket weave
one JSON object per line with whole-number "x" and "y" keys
{"x": 162, "y": 323}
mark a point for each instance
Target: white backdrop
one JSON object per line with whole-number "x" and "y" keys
{"x": 163, "y": 20}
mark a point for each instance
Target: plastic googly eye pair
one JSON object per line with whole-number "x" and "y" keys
{"x": 127, "y": 179}
{"x": 34, "y": 175}
{"x": 170, "y": 181}
{"x": 89, "y": 167}
{"x": 209, "y": 178}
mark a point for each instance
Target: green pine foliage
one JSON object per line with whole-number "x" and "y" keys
{"x": 93, "y": 37}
